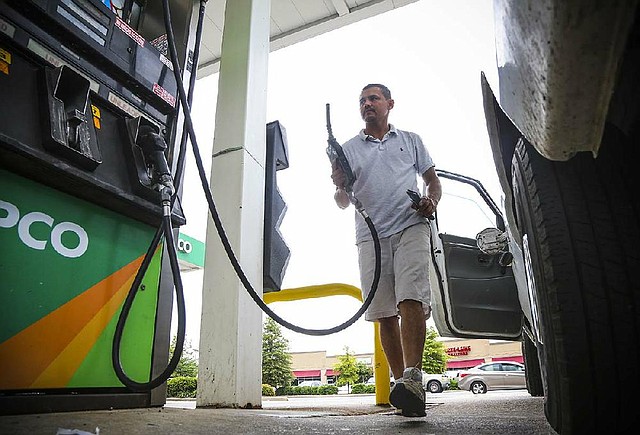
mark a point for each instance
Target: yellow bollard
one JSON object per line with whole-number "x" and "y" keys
{"x": 380, "y": 364}
{"x": 380, "y": 369}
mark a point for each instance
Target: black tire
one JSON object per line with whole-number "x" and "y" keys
{"x": 532, "y": 367}
{"x": 581, "y": 219}
{"x": 478, "y": 387}
{"x": 434, "y": 387}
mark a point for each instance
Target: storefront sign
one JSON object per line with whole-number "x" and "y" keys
{"x": 459, "y": 350}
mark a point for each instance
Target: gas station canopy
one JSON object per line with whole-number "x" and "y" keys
{"x": 292, "y": 21}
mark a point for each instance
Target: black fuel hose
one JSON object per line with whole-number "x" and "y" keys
{"x": 177, "y": 353}
{"x": 218, "y": 223}
{"x": 167, "y": 230}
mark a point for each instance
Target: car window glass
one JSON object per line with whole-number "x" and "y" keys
{"x": 462, "y": 211}
{"x": 492, "y": 368}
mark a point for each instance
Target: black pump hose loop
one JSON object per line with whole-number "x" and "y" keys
{"x": 142, "y": 270}
{"x": 218, "y": 223}
{"x": 177, "y": 353}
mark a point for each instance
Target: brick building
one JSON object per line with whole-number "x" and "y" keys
{"x": 463, "y": 354}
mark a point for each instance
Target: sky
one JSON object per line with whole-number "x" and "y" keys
{"x": 430, "y": 54}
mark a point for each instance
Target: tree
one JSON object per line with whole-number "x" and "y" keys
{"x": 434, "y": 356}
{"x": 188, "y": 364}
{"x": 348, "y": 368}
{"x": 365, "y": 371}
{"x": 276, "y": 362}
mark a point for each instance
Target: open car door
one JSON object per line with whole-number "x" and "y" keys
{"x": 474, "y": 292}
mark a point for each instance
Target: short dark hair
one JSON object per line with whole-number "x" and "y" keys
{"x": 385, "y": 90}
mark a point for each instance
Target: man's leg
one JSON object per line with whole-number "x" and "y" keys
{"x": 403, "y": 345}
{"x": 413, "y": 332}
{"x": 392, "y": 345}
{"x": 411, "y": 257}
{"x": 409, "y": 396}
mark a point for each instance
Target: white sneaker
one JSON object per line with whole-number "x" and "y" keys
{"x": 408, "y": 395}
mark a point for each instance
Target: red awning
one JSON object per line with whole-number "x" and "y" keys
{"x": 517, "y": 358}
{"x": 464, "y": 364}
{"x": 306, "y": 373}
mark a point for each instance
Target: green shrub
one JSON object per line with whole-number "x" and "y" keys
{"x": 182, "y": 386}
{"x": 288, "y": 391}
{"x": 268, "y": 390}
{"x": 363, "y": 389}
{"x": 327, "y": 389}
{"x": 306, "y": 391}
{"x": 453, "y": 384}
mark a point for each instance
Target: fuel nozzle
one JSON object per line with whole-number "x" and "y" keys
{"x": 153, "y": 146}
{"x": 336, "y": 155}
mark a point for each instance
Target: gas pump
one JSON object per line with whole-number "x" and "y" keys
{"x": 83, "y": 85}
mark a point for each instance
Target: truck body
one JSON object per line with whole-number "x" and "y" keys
{"x": 563, "y": 123}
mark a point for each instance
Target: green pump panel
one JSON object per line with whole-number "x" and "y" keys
{"x": 67, "y": 266}
{"x": 79, "y": 204}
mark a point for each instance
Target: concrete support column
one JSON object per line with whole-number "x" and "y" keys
{"x": 231, "y": 326}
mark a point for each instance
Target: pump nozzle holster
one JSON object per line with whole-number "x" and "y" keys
{"x": 153, "y": 146}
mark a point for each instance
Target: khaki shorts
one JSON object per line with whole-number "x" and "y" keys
{"x": 404, "y": 271}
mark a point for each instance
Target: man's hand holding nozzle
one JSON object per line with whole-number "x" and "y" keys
{"x": 338, "y": 177}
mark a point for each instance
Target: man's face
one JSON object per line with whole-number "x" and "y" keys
{"x": 373, "y": 105}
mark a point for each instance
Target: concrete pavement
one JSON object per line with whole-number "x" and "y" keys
{"x": 451, "y": 412}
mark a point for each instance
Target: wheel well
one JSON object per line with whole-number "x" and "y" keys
{"x": 503, "y": 134}
{"x": 624, "y": 107}
{"x": 503, "y": 137}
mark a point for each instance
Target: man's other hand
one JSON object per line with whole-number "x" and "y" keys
{"x": 426, "y": 207}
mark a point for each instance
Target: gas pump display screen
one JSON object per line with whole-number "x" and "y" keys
{"x": 80, "y": 84}
{"x": 86, "y": 17}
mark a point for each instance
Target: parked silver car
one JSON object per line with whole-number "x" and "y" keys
{"x": 495, "y": 375}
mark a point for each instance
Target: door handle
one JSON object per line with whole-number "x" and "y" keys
{"x": 484, "y": 259}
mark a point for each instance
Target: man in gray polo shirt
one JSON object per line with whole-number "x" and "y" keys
{"x": 386, "y": 162}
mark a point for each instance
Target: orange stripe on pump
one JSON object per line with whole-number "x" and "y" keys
{"x": 27, "y": 354}
{"x": 62, "y": 369}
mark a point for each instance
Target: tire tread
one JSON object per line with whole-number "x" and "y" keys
{"x": 587, "y": 230}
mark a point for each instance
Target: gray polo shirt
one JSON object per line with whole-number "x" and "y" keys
{"x": 384, "y": 170}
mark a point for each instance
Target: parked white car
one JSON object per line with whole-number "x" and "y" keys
{"x": 309, "y": 384}
{"x": 435, "y": 383}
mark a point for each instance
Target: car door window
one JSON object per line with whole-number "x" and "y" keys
{"x": 492, "y": 368}
{"x": 514, "y": 376}
{"x": 461, "y": 211}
